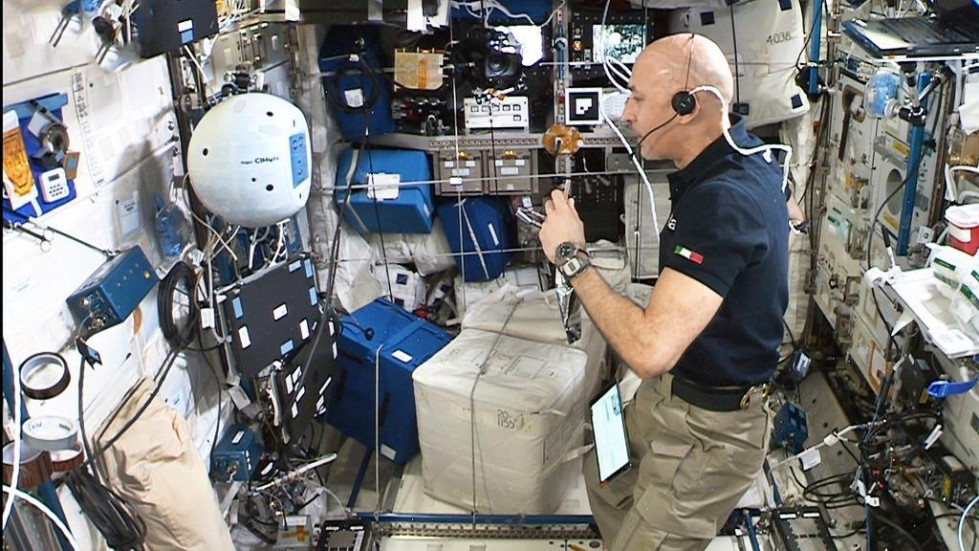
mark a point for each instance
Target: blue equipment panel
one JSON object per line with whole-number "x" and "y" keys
{"x": 110, "y": 294}
{"x": 480, "y": 231}
{"x": 236, "y": 455}
{"x": 25, "y": 110}
{"x": 397, "y": 341}
{"x": 410, "y": 212}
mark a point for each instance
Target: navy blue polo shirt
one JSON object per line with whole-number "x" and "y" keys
{"x": 728, "y": 229}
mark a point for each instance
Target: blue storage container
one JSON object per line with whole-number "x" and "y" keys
{"x": 480, "y": 231}
{"x": 356, "y": 88}
{"x": 410, "y": 212}
{"x": 405, "y": 342}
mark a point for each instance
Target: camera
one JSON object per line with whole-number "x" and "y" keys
{"x": 488, "y": 59}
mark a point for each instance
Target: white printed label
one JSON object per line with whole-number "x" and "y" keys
{"x": 304, "y": 329}
{"x": 207, "y": 318}
{"x": 492, "y": 230}
{"x": 243, "y": 336}
{"x": 810, "y": 458}
{"x": 129, "y": 217}
{"x": 455, "y": 181}
{"x": 460, "y": 172}
{"x": 280, "y": 312}
{"x": 238, "y": 437}
{"x": 401, "y": 356}
{"x": 355, "y": 97}
{"x": 510, "y": 171}
{"x": 520, "y": 162}
{"x": 387, "y": 452}
{"x": 383, "y": 186}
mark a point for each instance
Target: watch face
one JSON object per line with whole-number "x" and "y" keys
{"x": 566, "y": 250}
{"x": 571, "y": 266}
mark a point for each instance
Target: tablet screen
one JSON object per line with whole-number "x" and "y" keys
{"x": 611, "y": 443}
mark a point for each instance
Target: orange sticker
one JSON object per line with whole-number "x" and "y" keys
{"x": 15, "y": 164}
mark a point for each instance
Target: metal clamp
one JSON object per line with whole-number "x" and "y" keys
{"x": 764, "y": 389}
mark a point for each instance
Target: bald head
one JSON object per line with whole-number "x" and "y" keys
{"x": 683, "y": 62}
{"x": 667, "y": 66}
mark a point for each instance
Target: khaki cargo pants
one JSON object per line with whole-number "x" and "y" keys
{"x": 690, "y": 467}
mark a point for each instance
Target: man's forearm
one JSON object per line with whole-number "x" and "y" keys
{"x": 621, "y": 322}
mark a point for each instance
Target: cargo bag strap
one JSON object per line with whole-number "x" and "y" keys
{"x": 472, "y": 235}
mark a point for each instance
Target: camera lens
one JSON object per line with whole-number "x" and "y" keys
{"x": 496, "y": 63}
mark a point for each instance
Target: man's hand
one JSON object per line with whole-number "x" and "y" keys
{"x": 562, "y": 224}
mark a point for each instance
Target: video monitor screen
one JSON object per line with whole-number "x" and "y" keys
{"x": 620, "y": 42}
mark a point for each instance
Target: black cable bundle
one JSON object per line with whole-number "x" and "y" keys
{"x": 121, "y": 526}
{"x": 358, "y": 66}
{"x": 179, "y": 338}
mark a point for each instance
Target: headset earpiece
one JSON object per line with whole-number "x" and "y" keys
{"x": 683, "y": 103}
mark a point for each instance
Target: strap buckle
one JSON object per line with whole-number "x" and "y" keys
{"x": 762, "y": 391}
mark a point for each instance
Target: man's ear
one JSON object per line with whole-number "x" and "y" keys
{"x": 690, "y": 117}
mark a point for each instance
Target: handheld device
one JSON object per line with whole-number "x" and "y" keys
{"x": 611, "y": 440}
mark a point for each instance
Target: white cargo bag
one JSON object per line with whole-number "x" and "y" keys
{"x": 520, "y": 404}
{"x": 769, "y": 35}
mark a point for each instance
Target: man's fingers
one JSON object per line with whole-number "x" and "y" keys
{"x": 559, "y": 198}
{"x": 574, "y": 209}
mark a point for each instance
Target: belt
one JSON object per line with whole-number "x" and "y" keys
{"x": 719, "y": 398}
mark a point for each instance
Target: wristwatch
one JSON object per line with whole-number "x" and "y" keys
{"x": 571, "y": 260}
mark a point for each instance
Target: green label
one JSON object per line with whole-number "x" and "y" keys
{"x": 944, "y": 264}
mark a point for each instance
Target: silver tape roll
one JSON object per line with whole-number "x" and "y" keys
{"x": 50, "y": 433}
{"x": 44, "y": 375}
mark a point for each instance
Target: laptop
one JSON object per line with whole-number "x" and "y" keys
{"x": 953, "y": 31}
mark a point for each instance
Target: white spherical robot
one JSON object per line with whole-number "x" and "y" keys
{"x": 249, "y": 160}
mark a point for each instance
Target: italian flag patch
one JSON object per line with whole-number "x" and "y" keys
{"x": 694, "y": 257}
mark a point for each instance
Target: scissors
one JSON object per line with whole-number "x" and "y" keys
{"x": 44, "y": 237}
{"x": 530, "y": 216}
